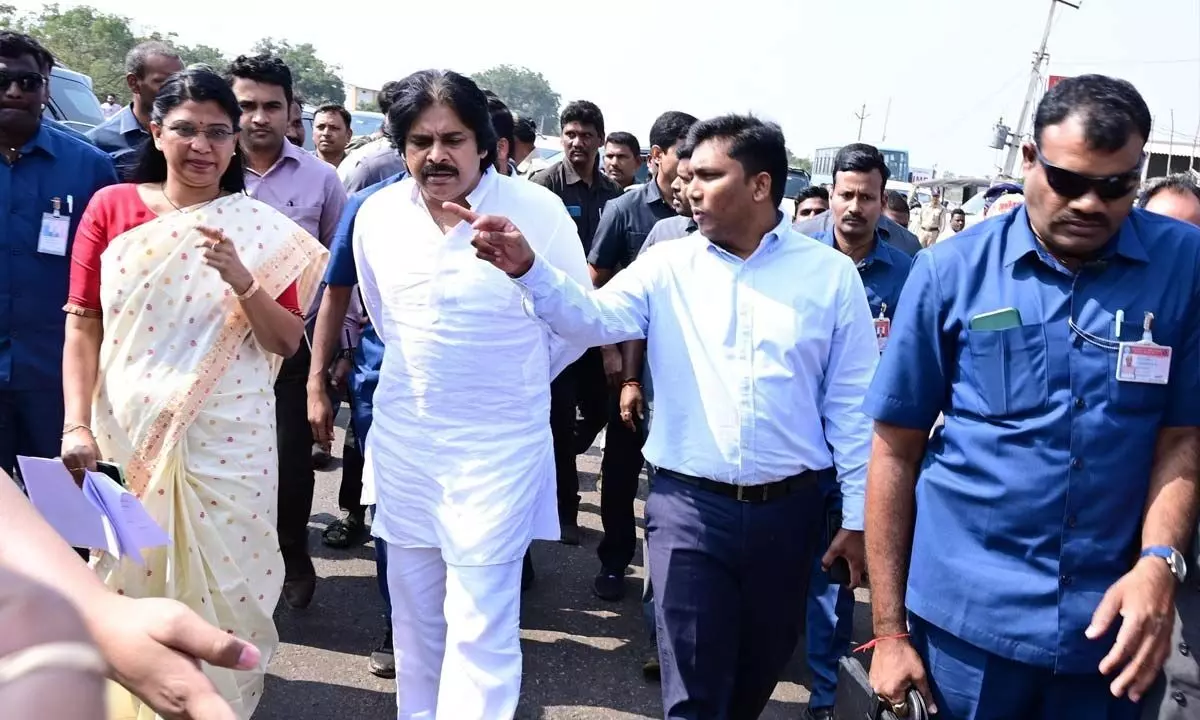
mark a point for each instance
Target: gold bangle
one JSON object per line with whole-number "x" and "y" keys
{"x": 254, "y": 287}
{"x": 72, "y": 427}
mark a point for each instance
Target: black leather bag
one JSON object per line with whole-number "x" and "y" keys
{"x": 855, "y": 700}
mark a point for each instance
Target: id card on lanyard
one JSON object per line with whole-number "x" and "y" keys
{"x": 56, "y": 227}
{"x": 883, "y": 328}
{"x": 1144, "y": 361}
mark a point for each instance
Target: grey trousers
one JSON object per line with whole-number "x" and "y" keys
{"x": 1176, "y": 695}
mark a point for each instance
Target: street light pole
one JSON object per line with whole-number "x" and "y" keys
{"x": 861, "y": 116}
{"x": 1035, "y": 75}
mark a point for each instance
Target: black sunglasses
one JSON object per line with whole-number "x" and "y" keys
{"x": 1072, "y": 185}
{"x": 26, "y": 81}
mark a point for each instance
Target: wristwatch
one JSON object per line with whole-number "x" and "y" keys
{"x": 1173, "y": 557}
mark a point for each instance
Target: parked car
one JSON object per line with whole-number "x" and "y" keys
{"x": 72, "y": 101}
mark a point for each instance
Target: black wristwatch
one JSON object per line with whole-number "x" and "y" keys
{"x": 345, "y": 354}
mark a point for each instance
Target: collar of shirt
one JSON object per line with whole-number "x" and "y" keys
{"x": 1021, "y": 243}
{"x": 289, "y": 152}
{"x": 650, "y": 193}
{"x": 570, "y": 177}
{"x": 42, "y": 141}
{"x": 127, "y": 123}
{"x": 769, "y": 241}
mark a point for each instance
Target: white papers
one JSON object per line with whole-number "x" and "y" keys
{"x": 103, "y": 515}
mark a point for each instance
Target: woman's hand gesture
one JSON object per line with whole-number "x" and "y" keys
{"x": 221, "y": 255}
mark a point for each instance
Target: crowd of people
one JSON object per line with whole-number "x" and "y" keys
{"x": 1000, "y": 422}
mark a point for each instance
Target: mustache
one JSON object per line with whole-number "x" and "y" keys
{"x": 1083, "y": 218}
{"x": 438, "y": 169}
{"x": 853, "y": 216}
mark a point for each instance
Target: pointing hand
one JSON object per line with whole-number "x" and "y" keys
{"x": 496, "y": 240}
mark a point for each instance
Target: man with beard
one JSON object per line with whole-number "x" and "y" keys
{"x": 1061, "y": 490}
{"x": 46, "y": 180}
{"x": 860, "y": 178}
{"x": 296, "y": 132}
{"x": 459, "y": 451}
{"x": 626, "y": 222}
{"x": 147, "y": 67}
{"x": 755, "y": 404}
{"x": 331, "y": 133}
{"x": 584, "y": 189}
{"x": 307, "y": 190}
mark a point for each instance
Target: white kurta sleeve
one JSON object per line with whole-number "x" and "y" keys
{"x": 565, "y": 253}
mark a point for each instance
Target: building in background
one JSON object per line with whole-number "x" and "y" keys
{"x": 822, "y": 164}
{"x": 357, "y": 97}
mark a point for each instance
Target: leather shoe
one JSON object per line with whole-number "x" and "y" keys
{"x": 609, "y": 586}
{"x": 819, "y": 714}
{"x": 298, "y": 593}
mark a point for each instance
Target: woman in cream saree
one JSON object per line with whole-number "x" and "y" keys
{"x": 183, "y": 393}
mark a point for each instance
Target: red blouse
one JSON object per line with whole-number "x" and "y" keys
{"x": 114, "y": 210}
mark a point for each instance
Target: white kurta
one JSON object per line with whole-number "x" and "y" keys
{"x": 459, "y": 451}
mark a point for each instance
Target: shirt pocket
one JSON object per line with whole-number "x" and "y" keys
{"x": 1133, "y": 396}
{"x": 1009, "y": 370}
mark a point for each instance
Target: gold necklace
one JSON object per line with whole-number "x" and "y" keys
{"x": 162, "y": 188}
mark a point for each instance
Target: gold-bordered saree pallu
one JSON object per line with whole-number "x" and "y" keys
{"x": 185, "y": 402}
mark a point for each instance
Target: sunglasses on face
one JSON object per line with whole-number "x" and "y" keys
{"x": 1071, "y": 185}
{"x": 26, "y": 81}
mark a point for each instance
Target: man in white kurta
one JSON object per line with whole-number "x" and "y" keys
{"x": 459, "y": 452}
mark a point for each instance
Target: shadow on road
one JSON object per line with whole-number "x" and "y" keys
{"x": 323, "y": 700}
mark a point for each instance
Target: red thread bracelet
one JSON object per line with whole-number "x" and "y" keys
{"x": 868, "y": 645}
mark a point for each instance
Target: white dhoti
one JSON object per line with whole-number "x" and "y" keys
{"x": 459, "y": 452}
{"x": 456, "y": 630}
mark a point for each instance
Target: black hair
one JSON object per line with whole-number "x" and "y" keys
{"x": 197, "y": 86}
{"x": 812, "y": 191}
{"x": 896, "y": 201}
{"x": 685, "y": 150}
{"x": 584, "y": 113}
{"x": 262, "y": 68}
{"x": 1179, "y": 183}
{"x": 525, "y": 130}
{"x": 136, "y": 58}
{"x": 335, "y": 108}
{"x": 627, "y": 140}
{"x": 757, "y": 145}
{"x": 670, "y": 128}
{"x": 502, "y": 120}
{"x": 861, "y": 157}
{"x": 297, "y": 99}
{"x": 425, "y": 88}
{"x": 386, "y": 95}
{"x": 14, "y": 45}
{"x": 1111, "y": 110}
{"x": 958, "y": 211}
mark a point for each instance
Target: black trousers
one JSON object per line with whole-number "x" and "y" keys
{"x": 620, "y": 468}
{"x": 580, "y": 385}
{"x": 296, "y": 477}
{"x": 350, "y": 491}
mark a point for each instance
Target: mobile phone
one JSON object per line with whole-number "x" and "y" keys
{"x": 997, "y": 320}
{"x": 113, "y": 471}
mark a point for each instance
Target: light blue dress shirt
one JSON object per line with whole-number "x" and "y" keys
{"x": 750, "y": 357}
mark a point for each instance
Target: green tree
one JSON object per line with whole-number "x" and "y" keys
{"x": 368, "y": 105}
{"x": 82, "y": 39}
{"x": 799, "y": 163}
{"x": 527, "y": 94}
{"x": 315, "y": 80}
{"x": 205, "y": 54}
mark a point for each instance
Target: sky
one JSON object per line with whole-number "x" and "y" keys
{"x": 948, "y": 69}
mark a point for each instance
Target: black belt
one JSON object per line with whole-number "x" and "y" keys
{"x": 748, "y": 493}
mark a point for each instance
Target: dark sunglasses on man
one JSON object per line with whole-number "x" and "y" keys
{"x": 1071, "y": 185}
{"x": 26, "y": 81}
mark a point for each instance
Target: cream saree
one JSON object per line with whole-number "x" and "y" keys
{"x": 185, "y": 404}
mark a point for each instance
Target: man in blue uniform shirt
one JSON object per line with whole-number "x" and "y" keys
{"x": 1062, "y": 486}
{"x": 860, "y": 178}
{"x": 46, "y": 180}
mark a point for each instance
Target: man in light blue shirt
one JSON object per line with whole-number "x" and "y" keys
{"x": 762, "y": 348}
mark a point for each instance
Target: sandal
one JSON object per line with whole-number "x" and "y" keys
{"x": 344, "y": 532}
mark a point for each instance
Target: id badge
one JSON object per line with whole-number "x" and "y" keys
{"x": 1143, "y": 362}
{"x": 883, "y": 328}
{"x": 52, "y": 239}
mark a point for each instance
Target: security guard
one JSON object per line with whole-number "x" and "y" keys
{"x": 46, "y": 181}
{"x": 1061, "y": 342}
{"x": 857, "y": 202}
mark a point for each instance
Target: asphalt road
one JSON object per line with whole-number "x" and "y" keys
{"x": 583, "y": 656}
